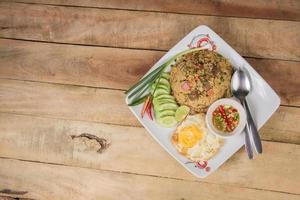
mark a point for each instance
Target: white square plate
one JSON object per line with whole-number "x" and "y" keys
{"x": 263, "y": 101}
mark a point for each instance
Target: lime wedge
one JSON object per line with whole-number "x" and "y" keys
{"x": 167, "y": 121}
{"x": 181, "y": 113}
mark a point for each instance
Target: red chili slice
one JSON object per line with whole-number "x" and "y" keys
{"x": 146, "y": 104}
{"x": 149, "y": 111}
{"x": 224, "y": 116}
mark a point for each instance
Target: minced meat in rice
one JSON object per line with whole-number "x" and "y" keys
{"x": 199, "y": 78}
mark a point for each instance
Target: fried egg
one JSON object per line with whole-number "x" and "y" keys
{"x": 193, "y": 140}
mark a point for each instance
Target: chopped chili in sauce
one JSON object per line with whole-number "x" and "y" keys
{"x": 225, "y": 118}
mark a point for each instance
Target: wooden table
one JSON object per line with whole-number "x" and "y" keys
{"x": 64, "y": 66}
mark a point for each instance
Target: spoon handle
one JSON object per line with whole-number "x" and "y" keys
{"x": 253, "y": 129}
{"x": 248, "y": 147}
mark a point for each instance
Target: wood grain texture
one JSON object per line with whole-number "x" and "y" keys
{"x": 108, "y": 106}
{"x": 60, "y": 182}
{"x": 99, "y": 67}
{"x": 6, "y": 198}
{"x": 40, "y": 122}
{"x": 147, "y": 30}
{"x": 131, "y": 150}
{"x": 283, "y": 126}
{"x": 65, "y": 101}
{"x": 270, "y": 9}
{"x": 282, "y": 77}
{"x": 12, "y": 198}
{"x": 72, "y": 64}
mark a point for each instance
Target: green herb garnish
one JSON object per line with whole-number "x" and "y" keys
{"x": 138, "y": 89}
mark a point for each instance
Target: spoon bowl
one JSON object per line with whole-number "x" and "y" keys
{"x": 240, "y": 84}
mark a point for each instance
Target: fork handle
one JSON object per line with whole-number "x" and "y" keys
{"x": 253, "y": 129}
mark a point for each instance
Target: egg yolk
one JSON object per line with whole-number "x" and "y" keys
{"x": 189, "y": 136}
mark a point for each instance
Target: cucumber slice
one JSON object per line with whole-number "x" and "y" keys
{"x": 152, "y": 87}
{"x": 164, "y": 87}
{"x": 168, "y": 89}
{"x": 162, "y": 82}
{"x": 166, "y": 106}
{"x": 164, "y": 113}
{"x": 167, "y": 122}
{"x": 181, "y": 113}
{"x": 157, "y": 102}
{"x": 160, "y": 91}
{"x": 165, "y": 96}
{"x": 166, "y": 75}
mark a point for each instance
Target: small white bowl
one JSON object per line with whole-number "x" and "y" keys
{"x": 226, "y": 101}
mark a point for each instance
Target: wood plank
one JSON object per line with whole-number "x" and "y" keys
{"x": 44, "y": 181}
{"x": 7, "y": 198}
{"x": 282, "y": 77}
{"x": 107, "y": 106}
{"x": 72, "y": 64}
{"x": 269, "y": 9}
{"x": 283, "y": 126}
{"x": 49, "y": 140}
{"x": 80, "y": 65}
{"x": 119, "y": 28}
{"x": 12, "y": 198}
{"x": 65, "y": 101}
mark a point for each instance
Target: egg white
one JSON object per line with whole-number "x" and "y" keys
{"x": 206, "y": 147}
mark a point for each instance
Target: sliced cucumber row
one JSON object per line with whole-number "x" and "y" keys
{"x": 164, "y": 103}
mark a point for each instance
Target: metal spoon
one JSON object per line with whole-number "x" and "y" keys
{"x": 241, "y": 86}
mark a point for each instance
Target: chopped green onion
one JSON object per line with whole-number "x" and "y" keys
{"x": 146, "y": 85}
{"x": 139, "y": 101}
{"x": 141, "y": 87}
{"x": 151, "y": 74}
